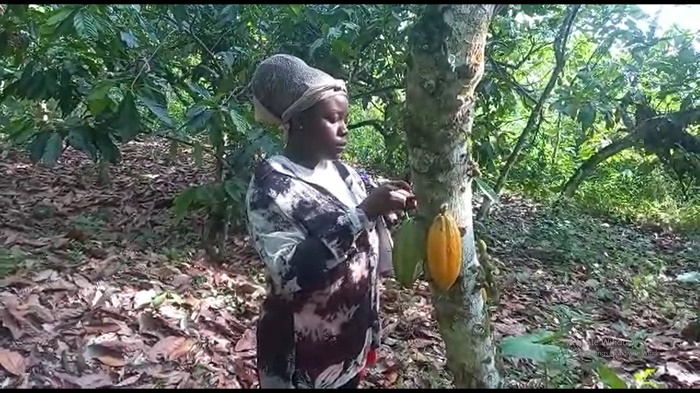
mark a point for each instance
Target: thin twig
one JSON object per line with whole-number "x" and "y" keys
{"x": 150, "y": 58}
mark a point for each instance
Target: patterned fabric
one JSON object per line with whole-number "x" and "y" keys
{"x": 320, "y": 318}
{"x": 284, "y": 86}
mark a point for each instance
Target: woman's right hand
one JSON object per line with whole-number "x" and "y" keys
{"x": 389, "y": 197}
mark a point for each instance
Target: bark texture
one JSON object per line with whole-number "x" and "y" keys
{"x": 446, "y": 64}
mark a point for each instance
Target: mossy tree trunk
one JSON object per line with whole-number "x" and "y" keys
{"x": 446, "y": 63}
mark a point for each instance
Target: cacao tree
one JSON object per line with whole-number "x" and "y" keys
{"x": 446, "y": 62}
{"x": 92, "y": 77}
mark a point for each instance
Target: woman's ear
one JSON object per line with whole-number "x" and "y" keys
{"x": 295, "y": 125}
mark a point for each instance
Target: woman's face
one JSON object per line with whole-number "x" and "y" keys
{"x": 324, "y": 128}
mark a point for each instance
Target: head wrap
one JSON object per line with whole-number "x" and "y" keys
{"x": 284, "y": 86}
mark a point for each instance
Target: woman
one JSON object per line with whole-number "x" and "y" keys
{"x": 315, "y": 229}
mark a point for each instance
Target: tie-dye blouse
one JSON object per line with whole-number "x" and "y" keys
{"x": 320, "y": 317}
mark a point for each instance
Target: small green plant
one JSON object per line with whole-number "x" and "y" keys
{"x": 612, "y": 379}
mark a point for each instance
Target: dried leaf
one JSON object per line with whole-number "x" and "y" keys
{"x": 45, "y": 275}
{"x": 245, "y": 372}
{"x": 181, "y": 280}
{"x": 59, "y": 285}
{"x": 128, "y": 345}
{"x": 129, "y": 381}
{"x": 105, "y": 327}
{"x": 111, "y": 360}
{"x": 147, "y": 323}
{"x": 41, "y": 312}
{"x": 689, "y": 378}
{"x": 173, "y": 377}
{"x": 143, "y": 298}
{"x": 82, "y": 282}
{"x": 13, "y": 362}
{"x": 181, "y": 349}
{"x": 13, "y": 281}
{"x": 391, "y": 377}
{"x": 89, "y": 381}
{"x": 105, "y": 355}
{"x": 165, "y": 347}
{"x": 247, "y": 342}
{"x": 10, "y": 323}
{"x": 69, "y": 313}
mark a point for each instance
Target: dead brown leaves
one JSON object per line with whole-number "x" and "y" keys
{"x": 110, "y": 327}
{"x": 90, "y": 307}
{"x": 101, "y": 300}
{"x": 13, "y": 362}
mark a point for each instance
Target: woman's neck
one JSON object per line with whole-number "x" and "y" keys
{"x": 299, "y": 157}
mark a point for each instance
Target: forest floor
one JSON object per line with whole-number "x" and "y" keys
{"x": 100, "y": 288}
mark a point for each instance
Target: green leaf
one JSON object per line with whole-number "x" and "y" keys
{"x": 206, "y": 195}
{"x": 85, "y": 26}
{"x": 610, "y": 378}
{"x": 296, "y": 9}
{"x": 180, "y": 12}
{"x": 20, "y": 10}
{"x": 527, "y": 347}
{"x": 38, "y": 146}
{"x": 229, "y": 58}
{"x": 37, "y": 86}
{"x": 66, "y": 97}
{"x": 20, "y": 131}
{"x": 98, "y": 98}
{"x": 128, "y": 124}
{"x": 106, "y": 146}
{"x": 54, "y": 148}
{"x": 586, "y": 116}
{"x": 182, "y": 202}
{"x": 197, "y": 117}
{"x": 239, "y": 122}
{"x": 227, "y": 15}
{"x": 81, "y": 139}
{"x": 642, "y": 375}
{"x": 158, "y": 110}
{"x": 216, "y": 134}
{"x": 25, "y": 81}
{"x": 66, "y": 27}
{"x": 59, "y": 17}
{"x": 486, "y": 189}
{"x": 197, "y": 89}
{"x": 234, "y": 191}
{"x": 158, "y": 300}
{"x": 129, "y": 39}
{"x": 315, "y": 45}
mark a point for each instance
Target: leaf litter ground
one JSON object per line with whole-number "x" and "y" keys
{"x": 100, "y": 288}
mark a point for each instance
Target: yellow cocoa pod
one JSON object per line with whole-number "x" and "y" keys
{"x": 444, "y": 250}
{"x": 409, "y": 252}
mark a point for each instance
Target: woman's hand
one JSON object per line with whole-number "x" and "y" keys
{"x": 389, "y": 197}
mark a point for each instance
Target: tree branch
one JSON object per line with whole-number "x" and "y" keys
{"x": 372, "y": 122}
{"x": 559, "y": 55}
{"x": 379, "y": 90}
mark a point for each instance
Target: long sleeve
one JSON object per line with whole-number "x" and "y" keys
{"x": 320, "y": 315}
{"x": 300, "y": 258}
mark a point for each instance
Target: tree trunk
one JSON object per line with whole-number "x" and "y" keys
{"x": 103, "y": 178}
{"x": 446, "y": 63}
{"x": 587, "y": 168}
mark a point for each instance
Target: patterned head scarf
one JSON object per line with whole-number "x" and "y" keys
{"x": 284, "y": 86}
